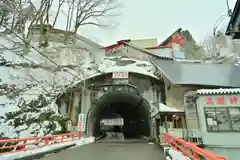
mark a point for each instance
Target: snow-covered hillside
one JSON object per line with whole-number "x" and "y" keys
{"x": 29, "y": 82}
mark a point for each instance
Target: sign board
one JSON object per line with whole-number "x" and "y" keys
{"x": 112, "y": 122}
{"x": 82, "y": 118}
{"x": 69, "y": 125}
{"x": 221, "y": 100}
{"x": 120, "y": 75}
{"x": 120, "y": 81}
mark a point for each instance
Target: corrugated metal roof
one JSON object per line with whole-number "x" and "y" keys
{"x": 226, "y": 75}
{"x": 219, "y": 91}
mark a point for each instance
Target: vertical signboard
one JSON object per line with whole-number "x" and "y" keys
{"x": 82, "y": 122}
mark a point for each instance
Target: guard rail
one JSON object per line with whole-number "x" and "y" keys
{"x": 188, "y": 149}
{"x": 8, "y": 146}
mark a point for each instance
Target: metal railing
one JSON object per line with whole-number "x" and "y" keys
{"x": 188, "y": 149}
{"x": 8, "y": 146}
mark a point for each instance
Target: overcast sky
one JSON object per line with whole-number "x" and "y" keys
{"x": 159, "y": 18}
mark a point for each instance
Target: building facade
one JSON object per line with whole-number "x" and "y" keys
{"x": 219, "y": 117}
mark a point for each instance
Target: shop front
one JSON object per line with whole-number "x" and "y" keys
{"x": 219, "y": 119}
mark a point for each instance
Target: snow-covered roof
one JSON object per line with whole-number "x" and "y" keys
{"x": 110, "y": 64}
{"x": 157, "y": 107}
{"x": 164, "y": 108}
{"x": 219, "y": 91}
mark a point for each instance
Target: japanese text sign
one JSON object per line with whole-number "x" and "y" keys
{"x": 230, "y": 100}
{"x": 120, "y": 75}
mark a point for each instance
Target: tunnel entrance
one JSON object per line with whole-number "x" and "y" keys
{"x": 134, "y": 110}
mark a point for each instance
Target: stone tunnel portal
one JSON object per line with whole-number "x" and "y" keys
{"x": 133, "y": 108}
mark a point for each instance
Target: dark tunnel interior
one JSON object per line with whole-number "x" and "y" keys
{"x": 134, "y": 109}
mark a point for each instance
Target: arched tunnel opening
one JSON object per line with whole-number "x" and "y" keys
{"x": 133, "y": 108}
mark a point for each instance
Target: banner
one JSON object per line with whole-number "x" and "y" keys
{"x": 82, "y": 122}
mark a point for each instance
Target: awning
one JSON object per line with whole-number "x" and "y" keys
{"x": 158, "y": 108}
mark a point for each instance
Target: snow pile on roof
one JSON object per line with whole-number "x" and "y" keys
{"x": 29, "y": 82}
{"x": 219, "y": 91}
{"x": 121, "y": 64}
{"x": 157, "y": 107}
{"x": 164, "y": 108}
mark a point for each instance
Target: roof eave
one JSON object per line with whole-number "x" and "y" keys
{"x": 234, "y": 16}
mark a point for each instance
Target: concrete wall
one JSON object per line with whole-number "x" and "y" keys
{"x": 145, "y": 43}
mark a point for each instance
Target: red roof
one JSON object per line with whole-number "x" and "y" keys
{"x": 125, "y": 42}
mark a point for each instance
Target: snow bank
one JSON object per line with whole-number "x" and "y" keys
{"x": 176, "y": 155}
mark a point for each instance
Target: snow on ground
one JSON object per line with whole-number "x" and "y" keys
{"x": 83, "y": 141}
{"x": 176, "y": 155}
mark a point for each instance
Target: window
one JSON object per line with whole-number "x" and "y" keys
{"x": 235, "y": 118}
{"x": 189, "y": 101}
{"x": 222, "y": 119}
{"x": 190, "y": 105}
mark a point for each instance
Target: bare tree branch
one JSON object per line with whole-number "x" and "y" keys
{"x": 211, "y": 50}
{"x": 89, "y": 12}
{"x": 60, "y": 3}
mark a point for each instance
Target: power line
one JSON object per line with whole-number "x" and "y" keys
{"x": 218, "y": 22}
{"x": 222, "y": 18}
{"x": 228, "y": 9}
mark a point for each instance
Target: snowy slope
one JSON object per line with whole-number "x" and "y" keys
{"x": 28, "y": 85}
